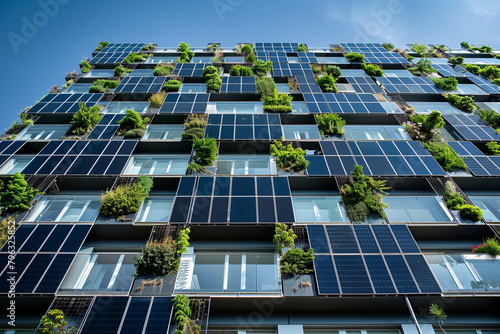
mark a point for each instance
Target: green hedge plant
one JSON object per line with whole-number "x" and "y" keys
{"x": 465, "y": 103}
{"x": 334, "y": 71}
{"x": 132, "y": 121}
{"x": 283, "y": 237}
{"x": 262, "y": 68}
{"x": 194, "y": 126}
{"x": 296, "y": 261}
{"x": 456, "y": 60}
{"x": 121, "y": 71}
{"x": 265, "y": 86}
{"x": 172, "y": 85}
{"x": 452, "y": 197}
{"x": 471, "y": 212}
{"x": 156, "y": 100}
{"x": 85, "y": 67}
{"x": 330, "y": 124}
{"x": 101, "y": 45}
{"x": 17, "y": 195}
{"x": 445, "y": 156}
{"x": 103, "y": 86}
{"x": 163, "y": 70}
{"x": 388, "y": 46}
{"x": 494, "y": 147}
{"x": 186, "y": 55}
{"x": 490, "y": 246}
{"x": 205, "y": 151}
{"x": 134, "y": 57}
{"x": 240, "y": 71}
{"x": 424, "y": 67}
{"x": 446, "y": 84}
{"x": 354, "y": 57}
{"x": 288, "y": 158}
{"x": 327, "y": 84}
{"x": 277, "y": 102}
{"x": 212, "y": 78}
{"x": 84, "y": 120}
{"x": 373, "y": 70}
{"x": 302, "y": 48}
{"x": 125, "y": 199}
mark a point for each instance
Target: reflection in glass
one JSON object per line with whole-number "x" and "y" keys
{"x": 319, "y": 209}
{"x": 157, "y": 164}
{"x": 15, "y": 164}
{"x": 416, "y": 209}
{"x": 245, "y": 165}
{"x": 164, "y": 131}
{"x": 65, "y": 209}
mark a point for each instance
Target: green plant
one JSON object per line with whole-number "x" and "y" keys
{"x": 157, "y": 259}
{"x": 134, "y": 133}
{"x": 85, "y": 67}
{"x": 132, "y": 120}
{"x": 250, "y": 58}
{"x": 330, "y": 124}
{"x": 388, "y": 46}
{"x": 482, "y": 49}
{"x": 456, "y": 60}
{"x": 353, "y": 57}
{"x": 423, "y": 67}
{"x": 196, "y": 168}
{"x": 472, "y": 212}
{"x": 265, "y": 86}
{"x": 262, "y": 68}
{"x": 490, "y": 246}
{"x": 156, "y": 100}
{"x": 212, "y": 47}
{"x": 240, "y": 71}
{"x": 474, "y": 69}
{"x": 283, "y": 237}
{"x": 163, "y": 70}
{"x": 133, "y": 57}
{"x": 149, "y": 47}
{"x": 491, "y": 117}
{"x": 101, "y": 45}
{"x": 419, "y": 48}
{"x": 17, "y": 195}
{"x": 103, "y": 86}
{"x": 287, "y": 157}
{"x": 327, "y": 83}
{"x": 186, "y": 55}
{"x": 334, "y": 71}
{"x": 120, "y": 71}
{"x": 54, "y": 323}
{"x": 194, "y": 126}
{"x": 461, "y": 102}
{"x": 373, "y": 70}
{"x": 446, "y": 84}
{"x": 430, "y": 122}
{"x": 277, "y": 102}
{"x": 302, "y": 48}
{"x": 212, "y": 78}
{"x": 363, "y": 190}
{"x": 26, "y": 120}
{"x": 182, "y": 314}
{"x": 125, "y": 199}
{"x": 182, "y": 242}
{"x": 247, "y": 48}
{"x": 84, "y": 120}
{"x": 490, "y": 72}
{"x": 295, "y": 261}
{"x": 172, "y": 85}
{"x": 494, "y": 147}
{"x": 205, "y": 151}
{"x": 465, "y": 45}
{"x": 437, "y": 312}
{"x": 445, "y": 156}
{"x": 452, "y": 197}
{"x": 68, "y": 83}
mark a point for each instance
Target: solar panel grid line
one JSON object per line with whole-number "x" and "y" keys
{"x": 352, "y": 275}
{"x": 159, "y": 316}
{"x": 134, "y": 315}
{"x": 38, "y": 260}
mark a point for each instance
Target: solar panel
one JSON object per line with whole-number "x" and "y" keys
{"x": 478, "y": 163}
{"x": 342, "y": 239}
{"x": 306, "y": 85}
{"x": 317, "y": 239}
{"x": 238, "y": 85}
{"x": 325, "y": 275}
{"x": 446, "y": 70}
{"x": 189, "y": 69}
{"x": 485, "y": 85}
{"x": 122, "y": 47}
{"x": 379, "y": 275}
{"x": 244, "y": 127}
{"x": 385, "y": 239}
{"x": 352, "y": 274}
{"x": 316, "y": 103}
{"x": 307, "y": 57}
{"x": 366, "y": 239}
{"x": 364, "y": 85}
{"x": 140, "y": 85}
{"x": 32, "y": 275}
{"x": 105, "y": 315}
{"x": 375, "y": 53}
{"x": 409, "y": 85}
{"x": 287, "y": 47}
{"x": 472, "y": 127}
{"x": 106, "y": 127}
{"x": 55, "y": 273}
{"x": 404, "y": 238}
{"x": 185, "y": 103}
{"x": 274, "y": 56}
{"x": 64, "y": 103}
{"x": 401, "y": 274}
{"x": 423, "y": 274}
{"x": 354, "y": 103}
{"x": 292, "y": 69}
{"x": 159, "y": 316}
{"x": 137, "y": 312}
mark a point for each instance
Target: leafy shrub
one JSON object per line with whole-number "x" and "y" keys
{"x": 283, "y": 237}
{"x": 85, "y": 67}
{"x": 330, "y": 124}
{"x": 26, "y": 120}
{"x": 157, "y": 259}
{"x": 373, "y": 70}
{"x": 456, "y": 60}
{"x": 423, "y": 67}
{"x": 474, "y": 69}
{"x": 172, "y": 85}
{"x": 247, "y": 48}
{"x": 494, "y": 147}
{"x": 465, "y": 45}
{"x": 363, "y": 189}
{"x": 240, "y": 71}
{"x": 302, "y": 48}
{"x": 121, "y": 71}
{"x": 277, "y": 102}
{"x": 84, "y": 120}
{"x": 251, "y": 59}
{"x": 186, "y": 54}
{"x": 163, "y": 70}
{"x": 212, "y": 47}
{"x": 212, "y": 78}
{"x": 194, "y": 126}
{"x": 133, "y": 57}
{"x": 182, "y": 314}
{"x": 490, "y": 72}
{"x": 265, "y": 86}
{"x": 490, "y": 246}
{"x": 472, "y": 212}
{"x": 182, "y": 241}
{"x": 17, "y": 195}
{"x": 452, "y": 197}
{"x": 53, "y": 322}
{"x": 287, "y": 157}
{"x": 491, "y": 117}
{"x": 210, "y": 70}
{"x": 157, "y": 99}
{"x": 125, "y": 199}
{"x": 446, "y": 84}
{"x": 429, "y": 122}
{"x": 205, "y": 151}
{"x": 134, "y": 133}
{"x": 334, "y": 71}
{"x": 149, "y": 47}
{"x": 354, "y": 57}
{"x": 482, "y": 49}
{"x": 445, "y": 156}
{"x": 327, "y": 83}
{"x": 419, "y": 48}
{"x": 388, "y": 46}
{"x": 193, "y": 167}
{"x": 295, "y": 261}
{"x": 103, "y": 86}
{"x": 132, "y": 120}
{"x": 461, "y": 102}
{"x": 101, "y": 45}
{"x": 262, "y": 68}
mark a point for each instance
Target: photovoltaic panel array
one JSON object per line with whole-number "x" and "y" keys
{"x": 308, "y": 84}
{"x": 478, "y": 163}
{"x": 486, "y": 85}
{"x": 274, "y": 56}
{"x": 64, "y": 103}
{"x": 307, "y": 57}
{"x": 238, "y": 85}
{"x": 235, "y": 200}
{"x": 447, "y": 70}
{"x": 378, "y": 158}
{"x": 471, "y": 127}
{"x": 462, "y": 70}
{"x": 364, "y": 259}
{"x": 244, "y": 127}
{"x": 115, "y": 53}
{"x": 106, "y": 127}
{"x": 364, "y": 85}
{"x": 375, "y": 53}
{"x": 287, "y": 47}
{"x": 343, "y": 103}
{"x": 409, "y": 85}
{"x": 292, "y": 69}
{"x": 189, "y": 69}
{"x": 44, "y": 254}
{"x": 123, "y": 47}
{"x": 185, "y": 103}
{"x": 140, "y": 85}
{"x": 82, "y": 157}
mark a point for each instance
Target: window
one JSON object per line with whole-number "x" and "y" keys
{"x": 164, "y": 131}
{"x": 65, "y": 209}
{"x": 157, "y": 60}
{"x": 43, "y": 132}
{"x": 332, "y": 60}
{"x": 15, "y": 164}
{"x": 155, "y": 210}
{"x": 193, "y": 88}
{"x": 245, "y": 165}
{"x": 100, "y": 73}
{"x": 227, "y": 272}
{"x": 427, "y": 107}
{"x": 78, "y": 88}
{"x": 416, "y": 209}
{"x": 302, "y": 131}
{"x": 351, "y": 331}
{"x": 142, "y": 73}
{"x": 375, "y": 132}
{"x": 234, "y": 59}
{"x": 235, "y": 107}
{"x": 299, "y": 107}
{"x": 316, "y": 209}
{"x": 157, "y": 164}
{"x": 490, "y": 206}
{"x": 121, "y": 107}
{"x": 202, "y": 60}
{"x": 92, "y": 272}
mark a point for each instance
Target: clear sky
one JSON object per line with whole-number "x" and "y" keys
{"x": 43, "y": 40}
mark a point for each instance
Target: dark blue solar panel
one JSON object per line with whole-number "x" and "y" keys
{"x": 317, "y": 165}
{"x": 186, "y": 186}
{"x": 54, "y": 275}
{"x": 342, "y": 239}
{"x": 264, "y": 186}
{"x": 76, "y": 238}
{"x": 317, "y": 238}
{"x": 281, "y": 186}
{"x": 385, "y": 239}
{"x": 379, "y": 274}
{"x": 21, "y": 262}
{"x": 135, "y": 317}
{"x": 352, "y": 274}
{"x": 205, "y": 186}
{"x": 180, "y": 210}
{"x": 159, "y": 316}
{"x": 243, "y": 186}
{"x": 423, "y": 274}
{"x": 219, "y": 210}
{"x": 222, "y": 185}
{"x": 21, "y": 235}
{"x": 37, "y": 238}
{"x": 405, "y": 239}
{"x": 266, "y": 210}
{"x": 400, "y": 273}
{"x": 106, "y": 315}
{"x": 366, "y": 239}
{"x": 56, "y": 238}
{"x": 201, "y": 210}
{"x": 243, "y": 210}
{"x": 284, "y": 209}
{"x": 34, "y": 272}
{"x": 325, "y": 275}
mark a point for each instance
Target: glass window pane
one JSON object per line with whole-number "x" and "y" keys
{"x": 157, "y": 164}
{"x": 414, "y": 209}
{"x": 43, "y": 132}
{"x": 297, "y": 132}
{"x": 319, "y": 209}
{"x": 155, "y": 210}
{"x": 15, "y": 164}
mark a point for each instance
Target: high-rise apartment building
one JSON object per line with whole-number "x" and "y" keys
{"x": 388, "y": 183}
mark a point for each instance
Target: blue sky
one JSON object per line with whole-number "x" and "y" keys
{"x": 66, "y": 31}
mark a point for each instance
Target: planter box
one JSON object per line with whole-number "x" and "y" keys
{"x": 299, "y": 285}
